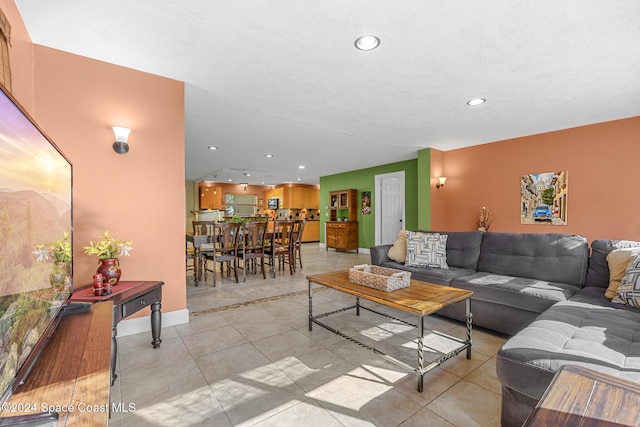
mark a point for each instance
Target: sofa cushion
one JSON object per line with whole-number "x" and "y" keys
{"x": 571, "y": 332}
{"x": 561, "y": 258}
{"x": 629, "y": 290}
{"x": 426, "y": 250}
{"x": 618, "y": 260}
{"x": 598, "y": 273}
{"x": 521, "y": 292}
{"x": 398, "y": 252}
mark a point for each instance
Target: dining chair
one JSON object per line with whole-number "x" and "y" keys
{"x": 280, "y": 247}
{"x": 225, "y": 249}
{"x": 251, "y": 247}
{"x": 297, "y": 242}
{"x": 203, "y": 228}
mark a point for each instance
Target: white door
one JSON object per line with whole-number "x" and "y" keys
{"x": 389, "y": 207}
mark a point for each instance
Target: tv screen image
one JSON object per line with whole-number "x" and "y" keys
{"x": 35, "y": 208}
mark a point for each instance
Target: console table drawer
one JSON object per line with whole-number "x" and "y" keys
{"x": 130, "y": 307}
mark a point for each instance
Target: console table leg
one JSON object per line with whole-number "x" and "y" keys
{"x": 114, "y": 347}
{"x": 156, "y": 324}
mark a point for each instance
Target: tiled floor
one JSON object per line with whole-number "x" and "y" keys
{"x": 246, "y": 358}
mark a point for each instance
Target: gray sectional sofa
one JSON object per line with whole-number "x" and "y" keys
{"x": 547, "y": 290}
{"x": 514, "y": 277}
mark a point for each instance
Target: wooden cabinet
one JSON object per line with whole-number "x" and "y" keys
{"x": 341, "y": 232}
{"x": 311, "y": 231}
{"x": 342, "y": 235}
{"x": 344, "y": 204}
{"x": 301, "y": 198}
{"x": 210, "y": 198}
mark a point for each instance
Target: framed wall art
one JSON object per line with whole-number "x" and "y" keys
{"x": 543, "y": 198}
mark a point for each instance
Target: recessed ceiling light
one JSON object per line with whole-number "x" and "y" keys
{"x": 213, "y": 148}
{"x": 230, "y": 180}
{"x": 269, "y": 155}
{"x": 367, "y": 42}
{"x": 299, "y": 179}
{"x": 476, "y": 101}
{"x": 301, "y": 167}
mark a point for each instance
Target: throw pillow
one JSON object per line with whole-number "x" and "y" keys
{"x": 426, "y": 250}
{"x": 398, "y": 252}
{"x": 618, "y": 261}
{"x": 629, "y": 289}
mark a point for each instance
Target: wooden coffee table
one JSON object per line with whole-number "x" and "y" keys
{"x": 419, "y": 299}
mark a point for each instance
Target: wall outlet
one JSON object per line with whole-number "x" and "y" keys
{"x": 326, "y": 214}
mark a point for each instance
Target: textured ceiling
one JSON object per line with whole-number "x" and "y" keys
{"x": 284, "y": 77}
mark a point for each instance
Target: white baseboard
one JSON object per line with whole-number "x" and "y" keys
{"x": 143, "y": 324}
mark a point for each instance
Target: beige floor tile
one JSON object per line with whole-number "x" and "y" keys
{"x": 213, "y": 340}
{"x": 426, "y": 418}
{"x": 364, "y": 400}
{"x": 467, "y": 404}
{"x": 485, "y": 376}
{"x": 285, "y": 344}
{"x": 305, "y": 414}
{"x": 314, "y": 370}
{"x": 231, "y": 362}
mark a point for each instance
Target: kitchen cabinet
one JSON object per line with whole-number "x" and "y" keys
{"x": 342, "y": 235}
{"x": 301, "y": 198}
{"x": 311, "y": 231}
{"x": 210, "y": 197}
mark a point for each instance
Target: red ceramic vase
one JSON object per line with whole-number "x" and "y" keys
{"x": 110, "y": 270}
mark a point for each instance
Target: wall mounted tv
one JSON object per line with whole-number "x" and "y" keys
{"x": 35, "y": 208}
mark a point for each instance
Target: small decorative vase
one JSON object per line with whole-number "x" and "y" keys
{"x": 110, "y": 270}
{"x": 60, "y": 277}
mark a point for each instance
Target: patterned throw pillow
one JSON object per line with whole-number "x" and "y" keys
{"x": 618, "y": 261}
{"x": 426, "y": 250}
{"x": 629, "y": 289}
{"x": 398, "y": 252}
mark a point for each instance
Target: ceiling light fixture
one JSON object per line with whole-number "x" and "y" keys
{"x": 476, "y": 101}
{"x": 367, "y": 42}
{"x": 301, "y": 167}
{"x": 244, "y": 186}
{"x": 213, "y": 148}
{"x": 269, "y": 156}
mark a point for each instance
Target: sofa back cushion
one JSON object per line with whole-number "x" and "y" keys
{"x": 598, "y": 273}
{"x": 552, "y": 257}
{"x": 463, "y": 248}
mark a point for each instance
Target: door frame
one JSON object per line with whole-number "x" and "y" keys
{"x": 378, "y": 201}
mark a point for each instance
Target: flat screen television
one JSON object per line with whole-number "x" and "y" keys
{"x": 35, "y": 209}
{"x": 273, "y": 203}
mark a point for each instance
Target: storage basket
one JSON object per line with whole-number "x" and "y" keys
{"x": 381, "y": 278}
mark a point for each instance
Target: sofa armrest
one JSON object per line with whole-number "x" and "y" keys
{"x": 379, "y": 254}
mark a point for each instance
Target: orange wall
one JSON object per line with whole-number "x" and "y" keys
{"x": 138, "y": 196}
{"x": 602, "y": 164}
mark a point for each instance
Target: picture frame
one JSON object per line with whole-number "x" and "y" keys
{"x": 543, "y": 198}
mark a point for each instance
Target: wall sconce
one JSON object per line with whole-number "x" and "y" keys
{"x": 122, "y": 136}
{"x": 441, "y": 181}
{"x": 244, "y": 186}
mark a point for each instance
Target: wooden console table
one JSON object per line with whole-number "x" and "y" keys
{"x": 128, "y": 297}
{"x": 71, "y": 376}
{"x": 582, "y": 397}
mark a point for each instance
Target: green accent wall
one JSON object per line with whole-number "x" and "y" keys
{"x": 364, "y": 180}
{"x": 424, "y": 189}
